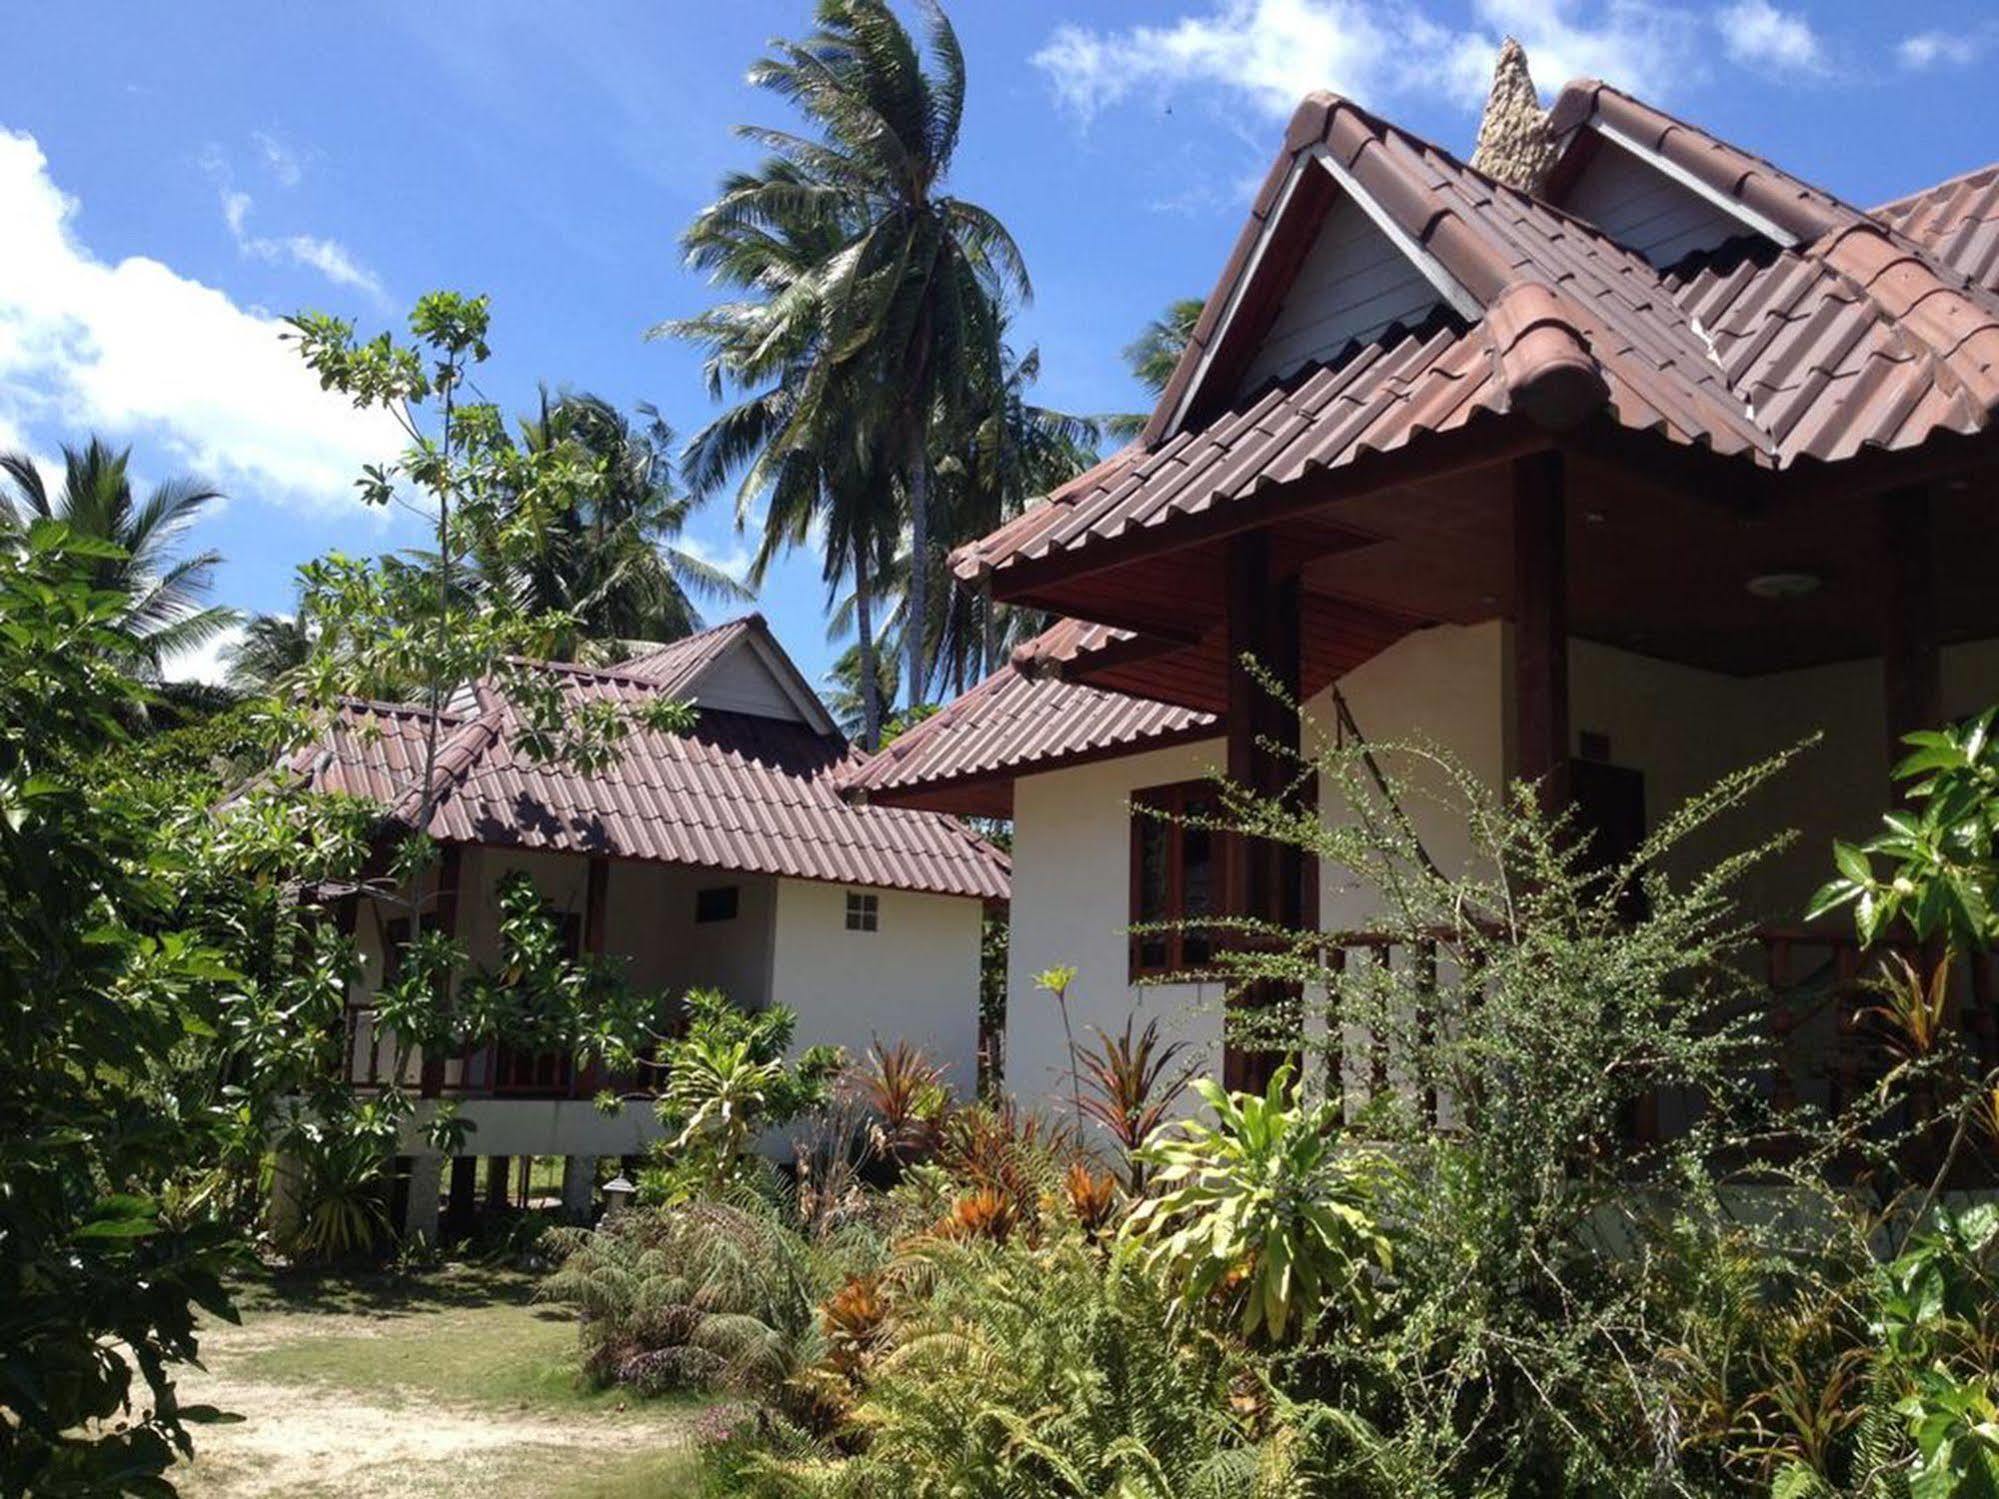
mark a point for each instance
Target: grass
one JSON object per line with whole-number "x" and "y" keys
{"x": 449, "y": 1384}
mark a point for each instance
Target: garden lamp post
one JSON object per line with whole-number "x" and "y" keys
{"x": 618, "y": 1194}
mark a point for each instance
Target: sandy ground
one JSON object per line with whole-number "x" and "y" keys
{"x": 310, "y": 1432}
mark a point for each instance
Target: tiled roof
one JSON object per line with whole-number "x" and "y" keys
{"x": 1853, "y": 336}
{"x": 757, "y": 795}
{"x": 672, "y": 666}
{"x": 1025, "y": 718}
{"x": 1956, "y": 221}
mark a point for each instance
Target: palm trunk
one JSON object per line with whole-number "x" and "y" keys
{"x": 864, "y": 626}
{"x": 916, "y": 460}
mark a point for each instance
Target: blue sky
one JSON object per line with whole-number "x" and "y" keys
{"x": 172, "y": 178}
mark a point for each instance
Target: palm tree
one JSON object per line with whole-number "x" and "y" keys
{"x": 164, "y": 612}
{"x": 901, "y": 313}
{"x": 609, "y": 559}
{"x": 1152, "y": 356}
{"x": 1007, "y": 452}
{"x": 847, "y": 696}
{"x": 810, "y": 473}
{"x": 272, "y": 648}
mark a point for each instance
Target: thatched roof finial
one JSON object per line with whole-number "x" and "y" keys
{"x": 1514, "y": 142}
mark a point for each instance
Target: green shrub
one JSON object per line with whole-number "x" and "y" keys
{"x": 1035, "y": 1372}
{"x": 723, "y": 1082}
{"x": 1263, "y": 1211}
{"x": 702, "y": 1295}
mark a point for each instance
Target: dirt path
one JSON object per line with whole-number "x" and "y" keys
{"x": 443, "y": 1395}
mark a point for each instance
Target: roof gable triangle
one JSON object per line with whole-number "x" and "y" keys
{"x": 1322, "y": 262}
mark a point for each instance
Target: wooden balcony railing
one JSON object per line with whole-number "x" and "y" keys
{"x": 1818, "y": 991}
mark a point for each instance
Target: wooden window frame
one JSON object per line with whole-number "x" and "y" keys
{"x": 1169, "y": 804}
{"x": 863, "y": 911}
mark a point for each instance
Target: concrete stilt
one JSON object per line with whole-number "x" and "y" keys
{"x": 579, "y": 1187}
{"x": 287, "y": 1202}
{"x": 420, "y": 1216}
{"x": 499, "y": 1187}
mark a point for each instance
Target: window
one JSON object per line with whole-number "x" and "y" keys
{"x": 718, "y": 903}
{"x": 863, "y": 911}
{"x": 1176, "y": 873}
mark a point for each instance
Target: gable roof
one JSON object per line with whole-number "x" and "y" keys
{"x": 1022, "y": 719}
{"x": 679, "y": 667}
{"x": 1840, "y": 334}
{"x": 740, "y": 792}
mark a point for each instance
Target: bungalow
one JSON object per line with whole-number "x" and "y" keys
{"x": 1616, "y": 477}
{"x": 723, "y": 857}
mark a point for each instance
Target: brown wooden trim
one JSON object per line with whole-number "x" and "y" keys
{"x": 1266, "y": 879}
{"x": 1172, "y": 802}
{"x": 1480, "y": 443}
{"x": 450, "y": 869}
{"x": 1911, "y": 664}
{"x": 1541, "y": 626}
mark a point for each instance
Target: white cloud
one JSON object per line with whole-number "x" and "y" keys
{"x": 1758, "y": 35}
{"x": 330, "y": 258}
{"x": 136, "y": 350}
{"x": 732, "y": 559}
{"x": 283, "y": 162}
{"x": 1929, "y": 49}
{"x": 205, "y": 662}
{"x": 1276, "y": 51}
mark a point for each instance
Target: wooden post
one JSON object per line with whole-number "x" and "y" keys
{"x": 496, "y": 1180}
{"x": 583, "y": 1083}
{"x": 431, "y": 1079}
{"x": 1264, "y": 881}
{"x": 462, "y": 1202}
{"x": 1541, "y": 625}
{"x": 1911, "y": 674}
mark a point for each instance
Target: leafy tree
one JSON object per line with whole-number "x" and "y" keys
{"x": 1002, "y": 453}
{"x": 1152, "y": 356}
{"x": 163, "y": 591}
{"x": 723, "y": 1081}
{"x": 897, "y": 327}
{"x": 809, "y": 474}
{"x": 273, "y": 649}
{"x": 107, "y": 1246}
{"x": 606, "y": 560}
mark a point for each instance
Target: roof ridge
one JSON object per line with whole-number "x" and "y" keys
{"x": 1910, "y": 199}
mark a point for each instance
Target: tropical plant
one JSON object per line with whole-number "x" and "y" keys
{"x": 1152, "y": 356}
{"x": 703, "y": 1295}
{"x": 906, "y": 1093}
{"x": 1029, "y": 1371}
{"x": 1264, "y": 1211}
{"x": 109, "y": 1237}
{"x": 272, "y": 650}
{"x": 898, "y": 323}
{"x": 1942, "y": 874}
{"x": 338, "y": 1167}
{"x": 1132, "y": 1086}
{"x": 163, "y": 613}
{"x": 606, "y": 559}
{"x": 723, "y": 1081}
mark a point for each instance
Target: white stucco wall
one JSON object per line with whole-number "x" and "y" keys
{"x": 915, "y": 978}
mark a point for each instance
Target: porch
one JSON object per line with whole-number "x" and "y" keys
{"x": 1623, "y": 635}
